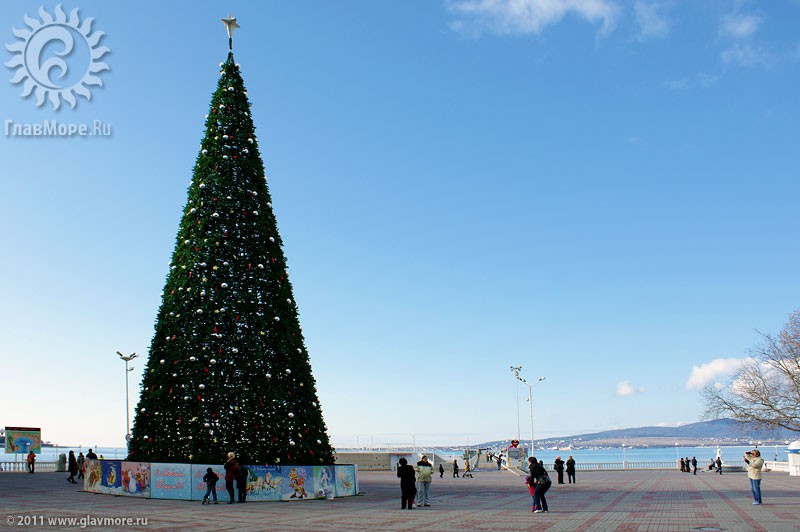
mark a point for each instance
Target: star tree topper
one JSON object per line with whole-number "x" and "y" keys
{"x": 230, "y": 25}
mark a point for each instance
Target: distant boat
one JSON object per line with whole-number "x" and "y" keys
{"x": 567, "y": 448}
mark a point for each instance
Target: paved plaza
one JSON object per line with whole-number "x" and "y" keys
{"x": 621, "y": 501}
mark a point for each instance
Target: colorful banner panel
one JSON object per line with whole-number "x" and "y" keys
{"x": 23, "y": 440}
{"x": 104, "y": 476}
{"x": 346, "y": 481}
{"x": 136, "y": 479}
{"x": 171, "y": 481}
{"x": 199, "y": 488}
{"x": 185, "y": 482}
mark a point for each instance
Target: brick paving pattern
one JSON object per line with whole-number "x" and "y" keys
{"x": 493, "y": 501}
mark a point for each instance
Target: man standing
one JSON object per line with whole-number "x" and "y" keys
{"x": 571, "y": 470}
{"x": 559, "y": 467}
{"x": 31, "y": 462}
{"x": 719, "y": 465}
{"x": 754, "y": 464}
{"x": 694, "y": 465}
{"x": 424, "y": 477}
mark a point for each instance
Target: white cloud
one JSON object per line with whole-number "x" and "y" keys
{"x": 744, "y": 55}
{"x": 704, "y": 374}
{"x": 651, "y": 20}
{"x": 624, "y": 389}
{"x": 739, "y": 26}
{"x": 532, "y": 16}
{"x": 700, "y": 81}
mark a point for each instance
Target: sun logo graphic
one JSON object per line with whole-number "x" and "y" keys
{"x": 57, "y": 58}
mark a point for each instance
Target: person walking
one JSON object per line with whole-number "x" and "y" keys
{"x": 31, "y": 462}
{"x": 424, "y": 478}
{"x": 558, "y": 465}
{"x": 499, "y": 460}
{"x": 543, "y": 483}
{"x": 72, "y": 467}
{"x": 571, "y": 470}
{"x": 210, "y": 478}
{"x": 754, "y": 465}
{"x": 719, "y": 465}
{"x": 441, "y": 471}
{"x": 231, "y": 469}
{"x": 81, "y": 465}
{"x": 467, "y": 470}
{"x": 694, "y": 465}
{"x": 455, "y": 468}
{"x": 407, "y": 489}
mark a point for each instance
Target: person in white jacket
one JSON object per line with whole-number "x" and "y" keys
{"x": 754, "y": 464}
{"x": 424, "y": 477}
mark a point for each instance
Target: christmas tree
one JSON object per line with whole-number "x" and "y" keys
{"x": 228, "y": 368}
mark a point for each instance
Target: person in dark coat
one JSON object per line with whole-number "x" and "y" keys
{"x": 91, "y": 455}
{"x": 72, "y": 467}
{"x": 242, "y": 477}
{"x": 455, "y": 468}
{"x": 543, "y": 483}
{"x": 408, "y": 488}
{"x": 231, "y": 469}
{"x": 558, "y": 465}
{"x": 441, "y": 471}
{"x": 571, "y": 470}
{"x": 683, "y": 465}
{"x": 241, "y": 483}
{"x": 694, "y": 465}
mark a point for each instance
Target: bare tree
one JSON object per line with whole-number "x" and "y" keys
{"x": 765, "y": 390}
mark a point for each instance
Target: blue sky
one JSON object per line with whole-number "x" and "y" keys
{"x": 601, "y": 191}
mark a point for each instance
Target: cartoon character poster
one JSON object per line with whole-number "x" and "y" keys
{"x": 198, "y": 486}
{"x": 324, "y": 482}
{"x": 298, "y": 483}
{"x": 136, "y": 479}
{"x": 92, "y": 475}
{"x": 110, "y": 473}
{"x": 346, "y": 485}
{"x": 263, "y": 483}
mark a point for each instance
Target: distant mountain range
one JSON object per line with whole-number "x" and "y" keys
{"x": 718, "y": 432}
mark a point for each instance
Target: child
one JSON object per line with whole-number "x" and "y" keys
{"x": 531, "y": 489}
{"x": 210, "y": 478}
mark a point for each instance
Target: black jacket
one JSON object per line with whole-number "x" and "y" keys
{"x": 407, "y": 476}
{"x": 538, "y": 473}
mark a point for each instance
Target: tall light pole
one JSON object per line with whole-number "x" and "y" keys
{"x": 515, "y": 370}
{"x": 530, "y": 401}
{"x": 127, "y": 400}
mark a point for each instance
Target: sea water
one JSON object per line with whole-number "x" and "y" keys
{"x": 729, "y": 454}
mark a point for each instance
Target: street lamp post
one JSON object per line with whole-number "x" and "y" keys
{"x": 530, "y": 401}
{"x": 127, "y": 400}
{"x": 515, "y": 370}
{"x": 624, "y": 461}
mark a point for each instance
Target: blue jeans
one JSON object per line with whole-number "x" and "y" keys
{"x": 755, "y": 487}
{"x": 211, "y": 490}
{"x": 423, "y": 491}
{"x": 538, "y": 495}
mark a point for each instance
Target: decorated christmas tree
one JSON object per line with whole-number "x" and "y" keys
{"x": 228, "y": 369}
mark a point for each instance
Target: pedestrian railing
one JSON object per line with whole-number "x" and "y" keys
{"x": 22, "y": 467}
